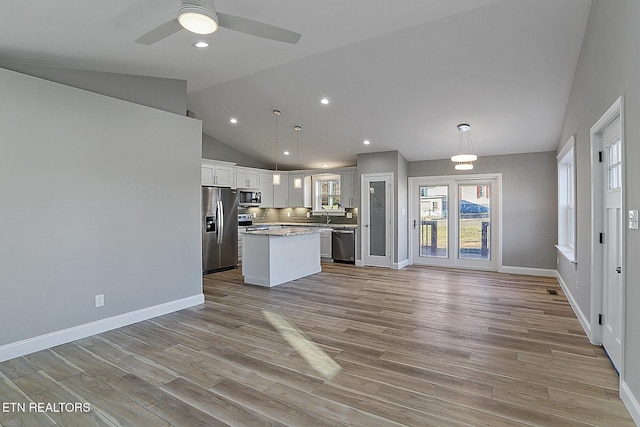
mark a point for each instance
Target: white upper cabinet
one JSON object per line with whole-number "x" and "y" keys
{"x": 348, "y": 196}
{"x": 281, "y": 192}
{"x": 266, "y": 189}
{"x": 296, "y": 195}
{"x": 219, "y": 174}
{"x": 247, "y": 178}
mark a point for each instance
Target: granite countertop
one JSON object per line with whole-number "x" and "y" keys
{"x": 288, "y": 231}
{"x": 307, "y": 224}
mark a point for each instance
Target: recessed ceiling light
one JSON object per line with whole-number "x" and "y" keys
{"x": 366, "y": 142}
{"x": 325, "y": 166}
{"x": 200, "y": 44}
{"x": 286, "y": 153}
{"x": 233, "y": 120}
{"x": 324, "y": 101}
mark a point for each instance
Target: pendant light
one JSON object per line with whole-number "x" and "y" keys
{"x": 465, "y": 155}
{"x": 276, "y": 174}
{"x": 297, "y": 182}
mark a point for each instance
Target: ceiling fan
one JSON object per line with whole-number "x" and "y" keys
{"x": 200, "y": 17}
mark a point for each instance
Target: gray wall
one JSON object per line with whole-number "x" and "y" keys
{"x": 391, "y": 161}
{"x": 99, "y": 196}
{"x": 402, "y": 214}
{"x": 214, "y": 149}
{"x": 529, "y": 203}
{"x": 163, "y": 94}
{"x": 609, "y": 66}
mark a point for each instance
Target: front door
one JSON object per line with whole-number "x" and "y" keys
{"x": 377, "y": 220}
{"x": 612, "y": 295}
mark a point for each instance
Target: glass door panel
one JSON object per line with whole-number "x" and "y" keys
{"x": 433, "y": 239}
{"x": 377, "y": 218}
{"x": 474, "y": 221}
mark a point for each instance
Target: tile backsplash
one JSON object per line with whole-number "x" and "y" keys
{"x": 295, "y": 215}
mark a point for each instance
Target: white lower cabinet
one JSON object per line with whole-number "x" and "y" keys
{"x": 241, "y": 230}
{"x": 325, "y": 244}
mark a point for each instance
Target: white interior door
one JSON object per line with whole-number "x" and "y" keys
{"x": 454, "y": 222}
{"x": 377, "y": 220}
{"x": 612, "y": 295}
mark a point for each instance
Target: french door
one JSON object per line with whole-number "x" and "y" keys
{"x": 455, "y": 221}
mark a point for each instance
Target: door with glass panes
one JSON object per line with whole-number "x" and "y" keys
{"x": 454, "y": 222}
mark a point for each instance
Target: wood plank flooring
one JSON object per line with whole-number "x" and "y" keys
{"x": 417, "y": 347}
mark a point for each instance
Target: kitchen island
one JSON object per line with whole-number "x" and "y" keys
{"x": 276, "y": 256}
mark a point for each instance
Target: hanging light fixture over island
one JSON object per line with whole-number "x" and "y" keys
{"x": 276, "y": 174}
{"x": 297, "y": 182}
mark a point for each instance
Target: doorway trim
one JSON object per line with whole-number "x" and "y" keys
{"x": 597, "y": 185}
{"x": 389, "y": 188}
{"x": 469, "y": 177}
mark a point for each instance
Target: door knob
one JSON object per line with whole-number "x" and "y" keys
{"x": 619, "y": 270}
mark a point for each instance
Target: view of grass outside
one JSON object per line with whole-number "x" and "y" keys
{"x": 473, "y": 206}
{"x": 470, "y": 236}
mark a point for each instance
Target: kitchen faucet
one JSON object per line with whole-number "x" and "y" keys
{"x": 325, "y": 212}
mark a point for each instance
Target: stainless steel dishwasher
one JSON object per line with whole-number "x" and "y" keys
{"x": 343, "y": 245}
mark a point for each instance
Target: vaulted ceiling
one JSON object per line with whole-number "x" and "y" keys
{"x": 400, "y": 74}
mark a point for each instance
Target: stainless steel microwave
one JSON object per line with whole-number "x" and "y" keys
{"x": 249, "y": 198}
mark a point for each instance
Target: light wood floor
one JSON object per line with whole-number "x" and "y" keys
{"x": 418, "y": 347}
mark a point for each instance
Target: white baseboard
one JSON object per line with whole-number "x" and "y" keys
{"x": 359, "y": 263}
{"x": 586, "y": 324}
{"x": 630, "y": 401}
{"x": 528, "y": 271}
{"x": 399, "y": 265}
{"x": 31, "y": 345}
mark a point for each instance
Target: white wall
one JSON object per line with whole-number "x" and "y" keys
{"x": 163, "y": 94}
{"x": 609, "y": 66}
{"x": 98, "y": 196}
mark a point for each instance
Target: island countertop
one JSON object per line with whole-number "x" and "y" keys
{"x": 288, "y": 231}
{"x": 280, "y": 255}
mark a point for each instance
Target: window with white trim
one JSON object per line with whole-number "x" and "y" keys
{"x": 567, "y": 201}
{"x": 326, "y": 193}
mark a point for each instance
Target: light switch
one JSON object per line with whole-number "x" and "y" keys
{"x": 633, "y": 219}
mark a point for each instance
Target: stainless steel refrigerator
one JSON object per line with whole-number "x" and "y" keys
{"x": 219, "y": 229}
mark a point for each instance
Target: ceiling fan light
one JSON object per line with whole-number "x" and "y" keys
{"x": 198, "y": 17}
{"x": 464, "y": 158}
{"x": 464, "y": 166}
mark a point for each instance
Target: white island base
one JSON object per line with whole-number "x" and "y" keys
{"x": 273, "y": 257}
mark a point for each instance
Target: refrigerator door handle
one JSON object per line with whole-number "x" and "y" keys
{"x": 220, "y": 221}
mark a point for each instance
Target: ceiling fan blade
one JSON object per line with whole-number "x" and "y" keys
{"x": 259, "y": 29}
{"x": 158, "y": 33}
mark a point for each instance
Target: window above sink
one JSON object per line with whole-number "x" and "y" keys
{"x": 327, "y": 194}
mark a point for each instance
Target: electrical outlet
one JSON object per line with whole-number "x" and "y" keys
{"x": 308, "y": 214}
{"x": 255, "y": 214}
{"x": 349, "y": 215}
{"x": 633, "y": 219}
{"x": 288, "y": 214}
{"x": 99, "y": 300}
